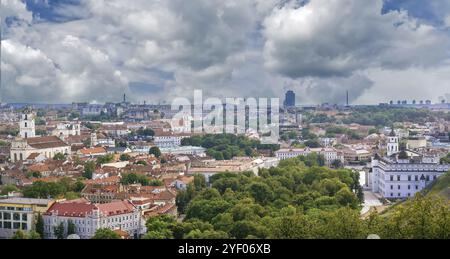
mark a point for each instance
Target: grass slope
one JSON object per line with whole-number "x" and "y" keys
{"x": 441, "y": 187}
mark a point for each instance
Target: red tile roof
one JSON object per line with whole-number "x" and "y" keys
{"x": 116, "y": 208}
{"x": 81, "y": 208}
{"x": 95, "y": 150}
{"x": 73, "y": 209}
{"x": 46, "y": 142}
{"x": 33, "y": 156}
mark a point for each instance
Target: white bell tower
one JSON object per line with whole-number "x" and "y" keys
{"x": 27, "y": 126}
{"x": 392, "y": 145}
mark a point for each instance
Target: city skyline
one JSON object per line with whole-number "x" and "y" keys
{"x": 64, "y": 51}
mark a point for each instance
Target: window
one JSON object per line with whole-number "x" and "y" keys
{"x": 24, "y": 226}
{"x": 392, "y": 178}
{"x": 16, "y": 225}
{"x": 7, "y": 225}
{"x": 1, "y": 215}
{"x": 409, "y": 177}
{"x": 7, "y": 216}
{"x": 26, "y": 124}
{"x": 409, "y": 187}
{"x": 428, "y": 178}
{"x": 398, "y": 187}
{"x": 417, "y": 187}
{"x": 398, "y": 177}
{"x": 435, "y": 177}
{"x": 16, "y": 216}
{"x": 24, "y": 217}
{"x": 409, "y": 194}
{"x": 392, "y": 194}
{"x": 399, "y": 195}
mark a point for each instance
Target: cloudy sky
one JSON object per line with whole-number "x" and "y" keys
{"x": 60, "y": 51}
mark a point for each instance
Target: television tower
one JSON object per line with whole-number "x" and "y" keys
{"x": 348, "y": 103}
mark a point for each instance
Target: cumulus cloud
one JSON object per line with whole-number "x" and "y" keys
{"x": 15, "y": 8}
{"x": 62, "y": 76}
{"x": 198, "y": 42}
{"x": 155, "y": 50}
{"x": 336, "y": 38}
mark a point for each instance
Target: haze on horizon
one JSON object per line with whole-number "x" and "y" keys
{"x": 63, "y": 51}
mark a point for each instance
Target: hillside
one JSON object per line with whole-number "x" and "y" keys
{"x": 441, "y": 187}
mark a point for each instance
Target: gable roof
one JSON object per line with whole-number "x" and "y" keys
{"x": 46, "y": 142}
{"x": 81, "y": 208}
{"x": 116, "y": 208}
{"x": 71, "y": 209}
{"x": 94, "y": 150}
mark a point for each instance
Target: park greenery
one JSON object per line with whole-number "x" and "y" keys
{"x": 294, "y": 201}
{"x": 142, "y": 132}
{"x": 5, "y": 189}
{"x": 228, "y": 146}
{"x": 446, "y": 159}
{"x": 332, "y": 131}
{"x": 155, "y": 151}
{"x": 132, "y": 178}
{"x": 89, "y": 169}
{"x": 125, "y": 157}
{"x": 19, "y": 234}
{"x": 59, "y": 157}
{"x": 105, "y": 159}
{"x": 105, "y": 233}
{"x": 385, "y": 116}
{"x": 65, "y": 188}
{"x": 378, "y": 116}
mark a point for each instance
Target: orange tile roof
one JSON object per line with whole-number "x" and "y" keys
{"x": 72, "y": 209}
{"x": 116, "y": 208}
{"x": 81, "y": 208}
{"x": 33, "y": 156}
{"x": 94, "y": 150}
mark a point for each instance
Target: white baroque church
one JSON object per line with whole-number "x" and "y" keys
{"x": 29, "y": 145}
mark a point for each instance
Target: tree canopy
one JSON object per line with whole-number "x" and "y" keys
{"x": 228, "y": 146}
{"x": 295, "y": 201}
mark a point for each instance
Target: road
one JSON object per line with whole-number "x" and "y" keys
{"x": 370, "y": 200}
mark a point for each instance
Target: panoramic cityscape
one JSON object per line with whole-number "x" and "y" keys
{"x": 225, "y": 120}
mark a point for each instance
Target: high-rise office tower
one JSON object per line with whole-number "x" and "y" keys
{"x": 289, "y": 100}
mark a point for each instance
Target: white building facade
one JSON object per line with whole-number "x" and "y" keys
{"x": 398, "y": 180}
{"x": 27, "y": 126}
{"x": 400, "y": 175}
{"x": 392, "y": 144}
{"x": 330, "y": 154}
{"x": 28, "y": 143}
{"x": 21, "y": 149}
{"x": 88, "y": 218}
{"x": 169, "y": 140}
{"x": 187, "y": 150}
{"x": 64, "y": 130}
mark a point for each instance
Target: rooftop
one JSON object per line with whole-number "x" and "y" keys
{"x": 46, "y": 142}
{"x": 25, "y": 201}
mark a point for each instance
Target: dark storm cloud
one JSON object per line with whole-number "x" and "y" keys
{"x": 96, "y": 50}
